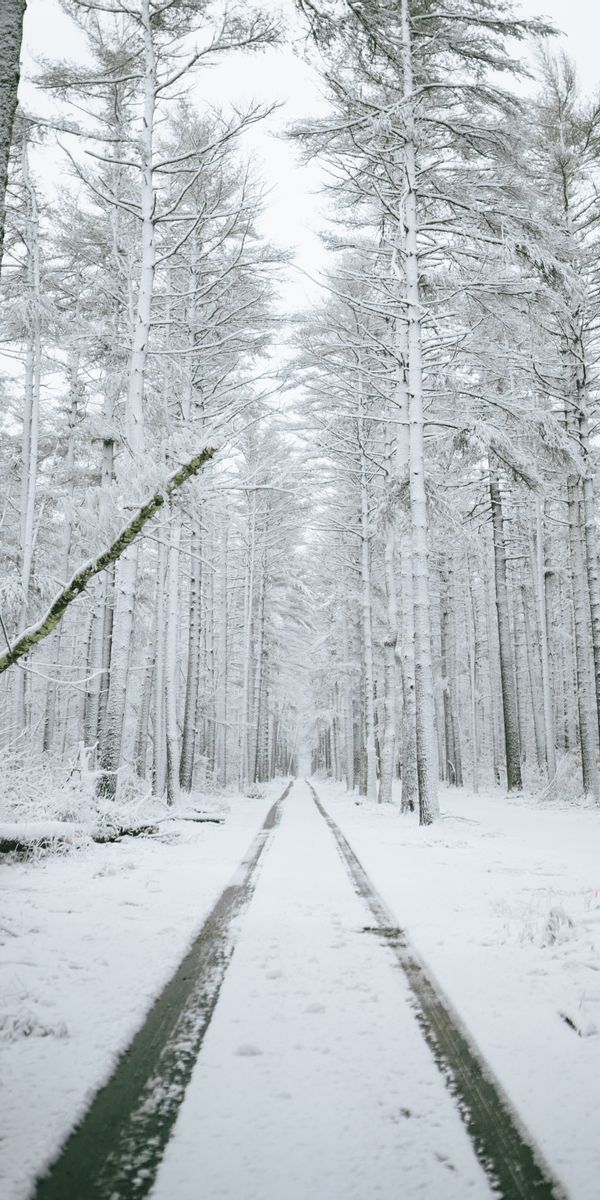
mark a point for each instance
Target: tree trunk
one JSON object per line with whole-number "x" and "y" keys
{"x": 534, "y": 689}
{"x": 31, "y": 416}
{"x": 367, "y": 634}
{"x": 171, "y": 662}
{"x": 188, "y": 740}
{"x": 388, "y": 753}
{"x": 542, "y": 602}
{"x": 507, "y": 677}
{"x": 12, "y": 13}
{"x": 159, "y": 742}
{"x": 585, "y": 696}
{"x": 427, "y": 766}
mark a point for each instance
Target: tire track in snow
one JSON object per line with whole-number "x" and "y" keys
{"x": 115, "y": 1152}
{"x": 513, "y": 1164}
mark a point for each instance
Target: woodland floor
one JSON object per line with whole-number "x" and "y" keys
{"x": 314, "y": 1078}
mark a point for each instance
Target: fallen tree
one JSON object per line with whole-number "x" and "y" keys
{"x": 56, "y": 835}
{"x": 79, "y": 581}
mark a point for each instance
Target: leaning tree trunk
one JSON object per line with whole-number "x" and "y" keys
{"x": 507, "y": 676}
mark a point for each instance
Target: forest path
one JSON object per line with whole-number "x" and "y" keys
{"x": 314, "y": 1078}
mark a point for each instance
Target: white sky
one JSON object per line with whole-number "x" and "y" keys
{"x": 278, "y": 75}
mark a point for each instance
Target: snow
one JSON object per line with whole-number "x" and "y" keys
{"x": 87, "y": 940}
{"x": 502, "y": 899}
{"x": 314, "y": 1080}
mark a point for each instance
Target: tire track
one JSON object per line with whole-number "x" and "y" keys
{"x": 116, "y": 1150}
{"x": 513, "y": 1163}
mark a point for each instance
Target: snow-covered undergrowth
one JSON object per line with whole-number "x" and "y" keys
{"x": 565, "y": 789}
{"x": 502, "y": 899}
{"x": 87, "y": 941}
{"x": 54, "y": 805}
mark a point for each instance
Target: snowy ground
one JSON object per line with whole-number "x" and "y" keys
{"x": 502, "y": 899}
{"x": 313, "y": 1079}
{"x": 87, "y": 940}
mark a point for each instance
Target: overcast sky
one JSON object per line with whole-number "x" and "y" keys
{"x": 292, "y": 216}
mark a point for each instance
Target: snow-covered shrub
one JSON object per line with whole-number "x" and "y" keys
{"x": 566, "y": 788}
{"x": 36, "y": 787}
{"x": 254, "y": 791}
{"x": 17, "y": 1025}
{"x": 558, "y": 928}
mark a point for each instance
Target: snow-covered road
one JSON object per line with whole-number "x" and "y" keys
{"x": 314, "y": 1079}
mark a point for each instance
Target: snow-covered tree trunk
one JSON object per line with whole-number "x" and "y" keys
{"x": 474, "y": 653}
{"x": 258, "y": 673}
{"x": 12, "y": 13}
{"x": 593, "y": 574}
{"x": 427, "y": 766}
{"x": 31, "y": 414}
{"x": 405, "y": 643}
{"x": 542, "y": 602}
{"x": 367, "y": 633}
{"x": 51, "y": 690}
{"x": 588, "y": 724}
{"x": 534, "y": 688}
{"x": 222, "y": 682}
{"x": 247, "y": 645}
{"x": 507, "y": 675}
{"x": 171, "y": 662}
{"x": 143, "y": 732}
{"x": 134, "y": 417}
{"x": 94, "y": 677}
{"x": 347, "y": 704}
{"x": 453, "y": 770}
{"x": 159, "y": 739}
{"x": 388, "y": 750}
{"x": 521, "y": 676}
{"x": 190, "y": 712}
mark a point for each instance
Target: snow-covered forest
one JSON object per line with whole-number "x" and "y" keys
{"x": 251, "y": 532}
{"x": 389, "y": 558}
